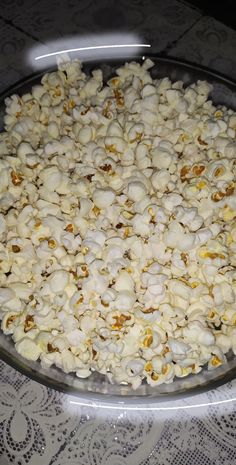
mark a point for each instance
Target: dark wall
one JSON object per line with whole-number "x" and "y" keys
{"x": 223, "y": 10}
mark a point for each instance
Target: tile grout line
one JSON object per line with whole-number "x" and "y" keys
{"x": 174, "y": 42}
{"x": 10, "y": 23}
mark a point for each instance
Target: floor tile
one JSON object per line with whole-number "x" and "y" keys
{"x": 157, "y": 22}
{"x": 211, "y": 44}
{"x": 14, "y": 46}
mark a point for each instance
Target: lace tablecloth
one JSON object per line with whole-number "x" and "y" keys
{"x": 39, "y": 426}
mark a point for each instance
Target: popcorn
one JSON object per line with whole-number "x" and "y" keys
{"x": 169, "y": 201}
{"x": 125, "y": 300}
{"x": 160, "y": 179}
{"x": 124, "y": 282}
{"x": 222, "y": 293}
{"x": 176, "y": 237}
{"x": 195, "y": 332}
{"x": 58, "y": 281}
{"x": 28, "y": 349}
{"x": 6, "y": 295}
{"x": 118, "y": 242}
{"x": 85, "y": 135}
{"x": 161, "y": 158}
{"x": 103, "y": 198}
{"x": 136, "y": 190}
{"x": 2, "y": 224}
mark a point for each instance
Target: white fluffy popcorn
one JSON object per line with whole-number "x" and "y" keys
{"x": 136, "y": 191}
{"x": 117, "y": 225}
{"x": 28, "y": 349}
{"x": 103, "y": 198}
{"x": 58, "y": 281}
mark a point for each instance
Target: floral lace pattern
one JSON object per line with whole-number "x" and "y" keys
{"x": 39, "y": 426}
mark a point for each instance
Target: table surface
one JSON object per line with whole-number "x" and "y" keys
{"x": 39, "y": 426}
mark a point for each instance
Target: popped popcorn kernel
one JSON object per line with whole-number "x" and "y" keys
{"x": 29, "y": 323}
{"x": 120, "y": 320}
{"x": 16, "y": 178}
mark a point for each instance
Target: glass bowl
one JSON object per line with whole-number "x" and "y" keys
{"x": 96, "y": 387}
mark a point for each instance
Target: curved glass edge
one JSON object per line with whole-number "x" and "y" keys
{"x": 35, "y": 372}
{"x": 98, "y": 390}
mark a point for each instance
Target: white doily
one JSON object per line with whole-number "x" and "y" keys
{"x": 39, "y": 426}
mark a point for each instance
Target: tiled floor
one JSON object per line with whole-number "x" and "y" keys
{"x": 210, "y": 43}
{"x": 172, "y": 27}
{"x": 14, "y": 45}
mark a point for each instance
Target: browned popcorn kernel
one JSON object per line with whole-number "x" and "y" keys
{"x": 51, "y": 348}
{"x": 127, "y": 231}
{"x": 137, "y": 138}
{"x": 106, "y": 110}
{"x": 198, "y": 170}
{"x": 211, "y": 314}
{"x": 119, "y": 97}
{"x": 68, "y": 106}
{"x": 201, "y": 142}
{"x": 29, "y": 323}
{"x": 217, "y": 196}
{"x": 184, "y": 256}
{"x": 11, "y": 320}
{"x": 120, "y": 320}
{"x": 84, "y": 112}
{"x": 15, "y": 248}
{"x": 219, "y": 171}
{"x": 148, "y": 310}
{"x": 115, "y": 81}
{"x": 183, "y": 137}
{"x": 215, "y": 361}
{"x": 70, "y": 228}
{"x": 111, "y": 148}
{"x": 52, "y": 243}
{"x": 96, "y": 210}
{"x": 32, "y": 167}
{"x": 38, "y": 223}
{"x": 165, "y": 351}
{"x": 229, "y": 190}
{"x": 148, "y": 340}
{"x": 57, "y": 92}
{"x": 16, "y": 178}
{"x": 184, "y": 171}
{"x": 43, "y": 238}
{"x": 164, "y": 369}
{"x": 71, "y": 104}
{"x": 107, "y": 167}
{"x": 119, "y": 225}
{"x": 154, "y": 376}
{"x": 80, "y": 300}
{"x": 212, "y": 255}
{"x": 129, "y": 203}
{"x": 218, "y": 114}
{"x": 89, "y": 177}
{"x": 94, "y": 353}
{"x": 148, "y": 367}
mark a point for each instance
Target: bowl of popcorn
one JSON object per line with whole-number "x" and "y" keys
{"x": 117, "y": 229}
